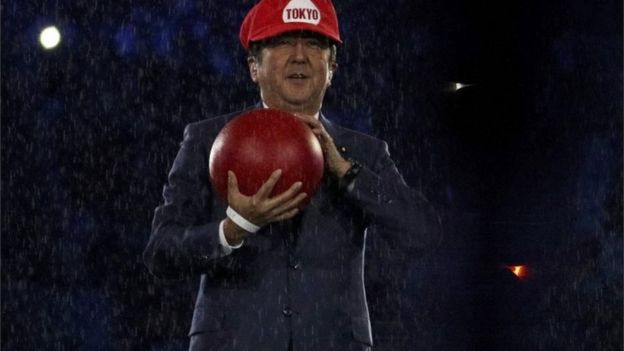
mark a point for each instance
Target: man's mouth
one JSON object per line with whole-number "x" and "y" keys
{"x": 297, "y": 76}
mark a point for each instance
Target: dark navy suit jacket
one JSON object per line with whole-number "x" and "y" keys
{"x": 299, "y": 281}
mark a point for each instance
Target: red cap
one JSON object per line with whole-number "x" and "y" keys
{"x": 273, "y": 17}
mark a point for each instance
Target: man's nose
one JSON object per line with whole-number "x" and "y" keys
{"x": 299, "y": 51}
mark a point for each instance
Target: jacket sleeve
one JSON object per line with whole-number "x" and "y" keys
{"x": 401, "y": 214}
{"x": 183, "y": 240}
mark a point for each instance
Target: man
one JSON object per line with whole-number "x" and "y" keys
{"x": 274, "y": 277}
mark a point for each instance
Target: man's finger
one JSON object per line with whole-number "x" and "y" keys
{"x": 279, "y": 199}
{"x": 313, "y": 122}
{"x": 305, "y": 117}
{"x": 289, "y": 205}
{"x": 232, "y": 183}
{"x": 266, "y": 188}
{"x": 287, "y": 215}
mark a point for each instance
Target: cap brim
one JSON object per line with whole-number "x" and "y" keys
{"x": 273, "y": 31}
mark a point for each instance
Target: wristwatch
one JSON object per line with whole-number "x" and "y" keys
{"x": 350, "y": 176}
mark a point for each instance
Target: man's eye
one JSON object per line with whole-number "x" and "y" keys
{"x": 284, "y": 42}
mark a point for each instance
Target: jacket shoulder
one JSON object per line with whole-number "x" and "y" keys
{"x": 210, "y": 126}
{"x": 354, "y": 137}
{"x": 210, "y": 123}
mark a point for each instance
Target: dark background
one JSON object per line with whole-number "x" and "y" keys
{"x": 525, "y": 165}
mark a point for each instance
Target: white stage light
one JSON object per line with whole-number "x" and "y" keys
{"x": 456, "y": 86}
{"x": 50, "y": 37}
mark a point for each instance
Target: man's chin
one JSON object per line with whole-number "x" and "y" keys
{"x": 297, "y": 96}
{"x": 298, "y": 100}
{"x": 299, "y": 106}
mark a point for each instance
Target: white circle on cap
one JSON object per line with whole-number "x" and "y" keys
{"x": 301, "y": 11}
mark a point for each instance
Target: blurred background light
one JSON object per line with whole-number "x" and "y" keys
{"x": 126, "y": 40}
{"x": 462, "y": 86}
{"x": 50, "y": 37}
{"x": 520, "y": 271}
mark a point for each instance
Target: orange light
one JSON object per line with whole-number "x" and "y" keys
{"x": 519, "y": 271}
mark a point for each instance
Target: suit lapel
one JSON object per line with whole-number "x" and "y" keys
{"x": 330, "y": 127}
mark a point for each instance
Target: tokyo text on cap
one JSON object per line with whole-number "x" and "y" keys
{"x": 269, "y": 18}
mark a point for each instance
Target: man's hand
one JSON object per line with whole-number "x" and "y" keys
{"x": 260, "y": 209}
{"x": 334, "y": 162}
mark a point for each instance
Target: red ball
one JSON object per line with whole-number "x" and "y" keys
{"x": 258, "y": 142}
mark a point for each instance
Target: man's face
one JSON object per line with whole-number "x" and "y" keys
{"x": 293, "y": 71}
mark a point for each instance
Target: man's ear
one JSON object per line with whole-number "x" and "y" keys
{"x": 253, "y": 68}
{"x": 332, "y": 69}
